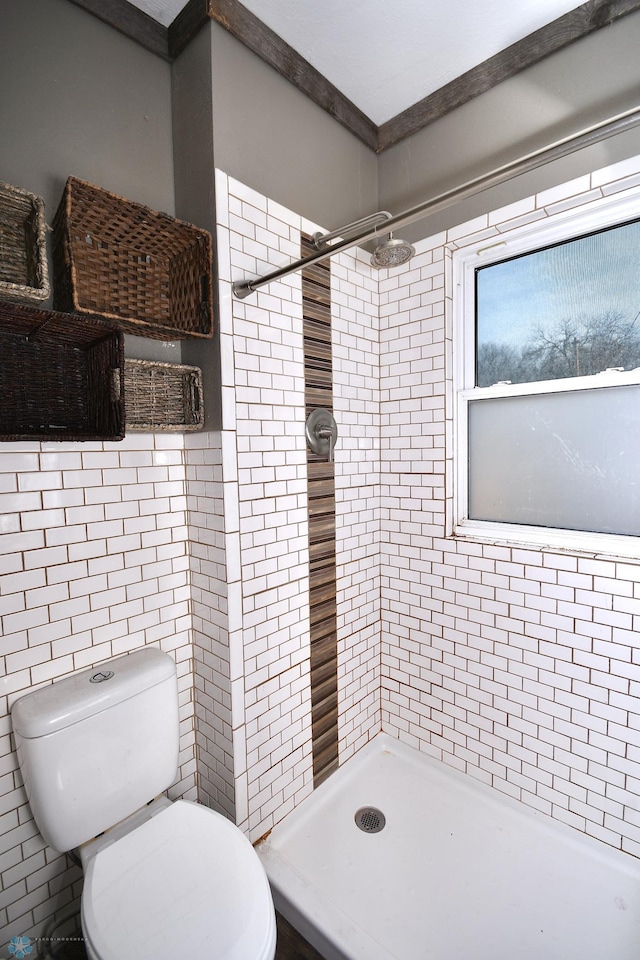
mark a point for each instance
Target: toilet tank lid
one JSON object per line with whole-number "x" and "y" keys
{"x": 90, "y": 692}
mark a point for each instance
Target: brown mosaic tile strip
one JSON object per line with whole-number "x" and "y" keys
{"x": 320, "y": 271}
{"x": 316, "y": 309}
{"x": 321, "y": 551}
{"x": 318, "y": 315}
{"x": 317, "y": 353}
{"x": 325, "y": 716}
{"x": 323, "y": 584}
{"x": 323, "y": 510}
{"x": 317, "y": 398}
{"x": 320, "y": 472}
{"x": 320, "y": 380}
{"x": 319, "y": 632}
{"x": 315, "y": 295}
{"x": 325, "y": 757}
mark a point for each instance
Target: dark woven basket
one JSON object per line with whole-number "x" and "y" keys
{"x": 24, "y": 272}
{"x": 144, "y": 272}
{"x": 162, "y": 397}
{"x": 60, "y": 376}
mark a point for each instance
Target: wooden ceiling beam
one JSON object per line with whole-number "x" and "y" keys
{"x": 168, "y": 43}
{"x": 132, "y": 22}
{"x": 524, "y": 53}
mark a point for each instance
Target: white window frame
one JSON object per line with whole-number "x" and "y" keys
{"x": 553, "y": 229}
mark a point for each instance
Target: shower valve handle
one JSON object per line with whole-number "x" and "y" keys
{"x": 321, "y": 432}
{"x": 326, "y": 433}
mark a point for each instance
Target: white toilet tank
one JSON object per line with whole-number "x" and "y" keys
{"x": 96, "y": 746}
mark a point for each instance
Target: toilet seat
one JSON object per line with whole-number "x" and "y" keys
{"x": 186, "y": 883}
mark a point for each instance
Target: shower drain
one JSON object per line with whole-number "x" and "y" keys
{"x": 370, "y": 819}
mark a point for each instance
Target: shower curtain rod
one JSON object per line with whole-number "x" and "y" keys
{"x": 555, "y": 151}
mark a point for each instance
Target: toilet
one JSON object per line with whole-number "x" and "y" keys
{"x": 162, "y": 879}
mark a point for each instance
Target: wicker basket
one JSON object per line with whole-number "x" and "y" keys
{"x": 162, "y": 397}
{"x": 59, "y": 376}
{"x": 24, "y": 273}
{"x": 144, "y": 272}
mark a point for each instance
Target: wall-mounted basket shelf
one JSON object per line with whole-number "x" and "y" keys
{"x": 60, "y": 376}
{"x": 24, "y": 273}
{"x": 162, "y": 397}
{"x": 144, "y": 272}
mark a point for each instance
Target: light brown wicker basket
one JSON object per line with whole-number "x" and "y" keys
{"x": 145, "y": 272}
{"x": 162, "y": 397}
{"x": 24, "y": 273}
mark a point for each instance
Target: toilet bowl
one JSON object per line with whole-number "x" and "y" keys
{"x": 162, "y": 879}
{"x": 158, "y": 892}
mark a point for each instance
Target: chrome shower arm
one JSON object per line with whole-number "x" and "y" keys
{"x": 320, "y": 240}
{"x": 243, "y": 288}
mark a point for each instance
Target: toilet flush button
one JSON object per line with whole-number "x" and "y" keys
{"x": 100, "y": 676}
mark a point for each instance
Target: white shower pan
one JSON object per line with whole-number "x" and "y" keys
{"x": 459, "y": 872}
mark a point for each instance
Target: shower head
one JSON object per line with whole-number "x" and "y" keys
{"x": 392, "y": 253}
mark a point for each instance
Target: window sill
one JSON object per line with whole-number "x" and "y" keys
{"x": 600, "y": 546}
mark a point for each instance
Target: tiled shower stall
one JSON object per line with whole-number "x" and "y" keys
{"x": 517, "y": 665}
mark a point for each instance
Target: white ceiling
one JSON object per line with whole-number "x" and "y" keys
{"x": 386, "y": 55}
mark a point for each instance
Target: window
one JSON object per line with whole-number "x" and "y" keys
{"x": 547, "y": 379}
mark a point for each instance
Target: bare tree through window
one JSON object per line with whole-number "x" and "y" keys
{"x": 573, "y": 348}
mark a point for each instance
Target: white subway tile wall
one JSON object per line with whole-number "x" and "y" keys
{"x": 519, "y": 666}
{"x": 93, "y": 563}
{"x": 209, "y": 608}
{"x": 356, "y": 404}
{"x": 264, "y": 464}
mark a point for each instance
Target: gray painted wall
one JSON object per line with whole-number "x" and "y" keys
{"x": 80, "y": 99}
{"x": 194, "y": 166}
{"x": 589, "y": 81}
{"x": 273, "y": 138}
